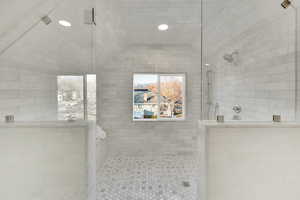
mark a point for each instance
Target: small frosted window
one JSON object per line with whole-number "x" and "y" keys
{"x": 76, "y": 97}
{"x": 70, "y": 97}
{"x": 91, "y": 96}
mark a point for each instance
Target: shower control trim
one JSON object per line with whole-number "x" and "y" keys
{"x": 237, "y": 109}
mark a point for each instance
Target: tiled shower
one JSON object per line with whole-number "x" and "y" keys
{"x": 262, "y": 78}
{"x": 239, "y": 59}
{"x": 149, "y": 177}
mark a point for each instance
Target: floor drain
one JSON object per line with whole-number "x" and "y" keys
{"x": 186, "y": 184}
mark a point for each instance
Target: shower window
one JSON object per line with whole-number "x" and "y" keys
{"x": 76, "y": 97}
{"x": 91, "y": 97}
{"x": 158, "y": 97}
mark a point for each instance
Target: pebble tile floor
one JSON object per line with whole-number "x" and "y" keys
{"x": 148, "y": 178}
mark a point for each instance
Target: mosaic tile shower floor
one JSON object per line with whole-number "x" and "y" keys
{"x": 148, "y": 178}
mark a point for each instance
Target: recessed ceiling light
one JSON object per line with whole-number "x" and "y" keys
{"x": 163, "y": 27}
{"x": 64, "y": 23}
{"x": 207, "y": 64}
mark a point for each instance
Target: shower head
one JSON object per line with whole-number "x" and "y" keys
{"x": 228, "y": 58}
{"x": 231, "y": 57}
{"x": 46, "y": 19}
{"x": 286, "y": 3}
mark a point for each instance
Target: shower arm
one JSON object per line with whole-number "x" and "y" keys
{"x": 289, "y": 3}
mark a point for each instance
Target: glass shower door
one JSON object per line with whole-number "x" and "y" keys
{"x": 249, "y": 60}
{"x": 41, "y": 42}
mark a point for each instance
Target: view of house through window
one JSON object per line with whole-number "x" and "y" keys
{"x": 158, "y": 96}
{"x": 72, "y": 102}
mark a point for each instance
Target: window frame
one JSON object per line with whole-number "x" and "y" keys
{"x": 160, "y": 119}
{"x": 85, "y": 91}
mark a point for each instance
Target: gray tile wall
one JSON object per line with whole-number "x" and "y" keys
{"x": 262, "y": 78}
{"x": 27, "y": 94}
{"x": 115, "y": 101}
{"x": 28, "y": 69}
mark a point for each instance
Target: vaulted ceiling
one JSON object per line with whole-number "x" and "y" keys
{"x": 27, "y": 42}
{"x": 24, "y": 41}
{"x": 140, "y": 20}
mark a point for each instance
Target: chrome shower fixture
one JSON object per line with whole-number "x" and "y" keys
{"x": 46, "y": 19}
{"x": 286, "y": 3}
{"x": 90, "y": 16}
{"x": 237, "y": 109}
{"x": 228, "y": 58}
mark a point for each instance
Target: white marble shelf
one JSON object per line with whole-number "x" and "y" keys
{"x": 45, "y": 124}
{"x": 247, "y": 124}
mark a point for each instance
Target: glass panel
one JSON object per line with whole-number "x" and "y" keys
{"x": 145, "y": 111}
{"x": 249, "y": 60}
{"x": 91, "y": 97}
{"x": 36, "y": 46}
{"x": 70, "y": 97}
{"x": 172, "y": 97}
{"x": 145, "y": 96}
{"x": 145, "y": 88}
{"x": 147, "y": 105}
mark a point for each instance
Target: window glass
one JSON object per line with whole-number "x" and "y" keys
{"x": 70, "y": 97}
{"x": 145, "y": 96}
{"x": 91, "y": 96}
{"x": 171, "y": 96}
{"x": 148, "y": 105}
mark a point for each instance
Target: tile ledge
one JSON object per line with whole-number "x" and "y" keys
{"x": 44, "y": 124}
{"x": 248, "y": 124}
